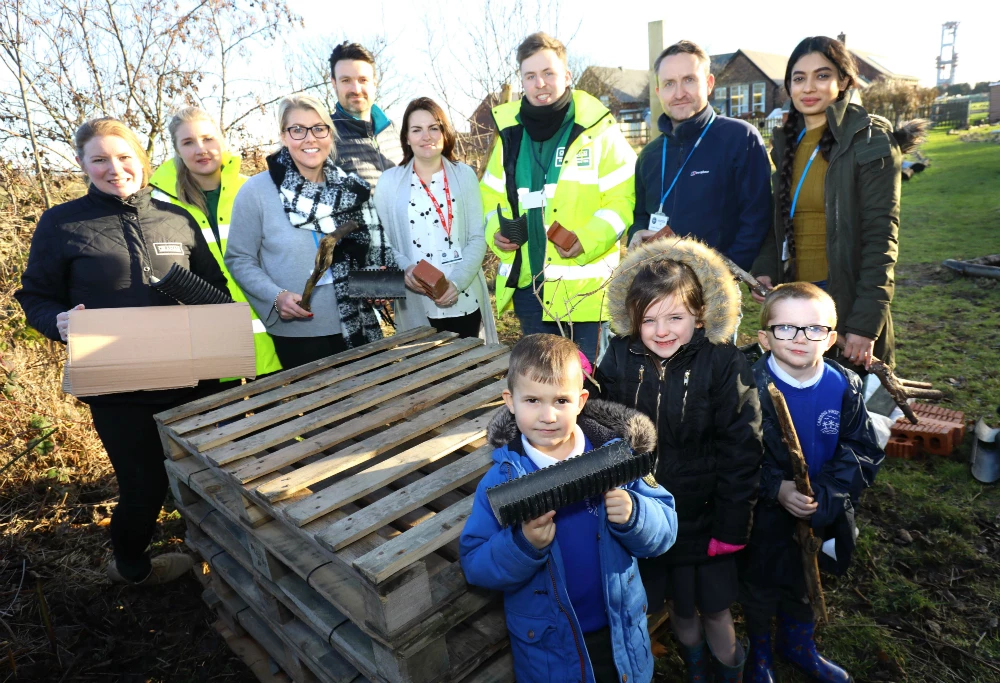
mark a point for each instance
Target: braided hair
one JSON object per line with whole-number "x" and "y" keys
{"x": 837, "y": 54}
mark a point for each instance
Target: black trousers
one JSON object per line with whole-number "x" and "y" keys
{"x": 132, "y": 442}
{"x": 602, "y": 655}
{"x": 296, "y": 351}
{"x": 762, "y": 603}
{"x": 464, "y": 326}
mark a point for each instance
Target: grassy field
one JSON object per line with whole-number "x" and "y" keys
{"x": 919, "y": 606}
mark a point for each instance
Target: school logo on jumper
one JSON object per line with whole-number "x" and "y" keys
{"x": 594, "y": 506}
{"x": 694, "y": 173}
{"x": 829, "y": 422}
{"x": 168, "y": 248}
{"x": 560, "y": 155}
{"x": 583, "y": 158}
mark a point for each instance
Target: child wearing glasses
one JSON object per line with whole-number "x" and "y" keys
{"x": 675, "y": 306}
{"x": 798, "y": 322}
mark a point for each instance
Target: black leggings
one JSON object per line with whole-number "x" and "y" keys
{"x": 296, "y": 351}
{"x": 464, "y": 325}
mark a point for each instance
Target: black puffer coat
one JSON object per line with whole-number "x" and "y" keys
{"x": 703, "y": 401}
{"x": 100, "y": 251}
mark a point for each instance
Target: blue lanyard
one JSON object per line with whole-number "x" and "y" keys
{"x": 802, "y": 178}
{"x": 663, "y": 163}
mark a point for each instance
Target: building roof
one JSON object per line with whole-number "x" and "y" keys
{"x": 772, "y": 66}
{"x": 718, "y": 62}
{"x": 881, "y": 64}
{"x": 625, "y": 85}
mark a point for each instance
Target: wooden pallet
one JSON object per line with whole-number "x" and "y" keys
{"x": 353, "y": 476}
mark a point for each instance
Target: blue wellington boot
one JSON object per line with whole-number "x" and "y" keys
{"x": 795, "y": 643}
{"x": 696, "y": 660}
{"x": 760, "y": 660}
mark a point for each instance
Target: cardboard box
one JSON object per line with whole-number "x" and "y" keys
{"x": 112, "y": 350}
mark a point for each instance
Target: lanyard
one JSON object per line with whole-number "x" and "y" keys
{"x": 663, "y": 163}
{"x": 802, "y": 178}
{"x": 437, "y": 206}
{"x": 555, "y": 150}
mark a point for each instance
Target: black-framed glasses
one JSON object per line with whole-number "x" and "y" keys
{"x": 319, "y": 131}
{"x": 789, "y": 332}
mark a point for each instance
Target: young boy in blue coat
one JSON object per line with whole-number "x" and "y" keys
{"x": 575, "y": 605}
{"x": 798, "y": 322}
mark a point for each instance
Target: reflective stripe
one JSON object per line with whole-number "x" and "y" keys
{"x": 161, "y": 195}
{"x": 579, "y": 175}
{"x": 550, "y": 190}
{"x": 601, "y": 269}
{"x": 613, "y": 218}
{"x": 504, "y": 269}
{"x": 258, "y": 326}
{"x": 490, "y": 216}
{"x": 208, "y": 235}
{"x": 494, "y": 183}
{"x": 223, "y": 231}
{"x": 615, "y": 178}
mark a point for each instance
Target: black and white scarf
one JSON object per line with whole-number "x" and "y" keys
{"x": 320, "y": 207}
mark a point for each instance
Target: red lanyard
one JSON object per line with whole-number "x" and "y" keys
{"x": 437, "y": 207}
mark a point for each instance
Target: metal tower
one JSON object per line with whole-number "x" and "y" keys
{"x": 948, "y": 31}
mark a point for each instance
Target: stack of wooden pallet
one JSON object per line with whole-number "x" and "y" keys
{"x": 328, "y": 500}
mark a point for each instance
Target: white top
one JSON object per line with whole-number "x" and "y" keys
{"x": 791, "y": 381}
{"x": 431, "y": 242}
{"x": 542, "y": 461}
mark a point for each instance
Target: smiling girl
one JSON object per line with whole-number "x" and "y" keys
{"x": 203, "y": 179}
{"x": 675, "y": 308}
{"x": 837, "y": 190}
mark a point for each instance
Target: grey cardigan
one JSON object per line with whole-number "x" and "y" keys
{"x": 392, "y": 201}
{"x": 265, "y": 254}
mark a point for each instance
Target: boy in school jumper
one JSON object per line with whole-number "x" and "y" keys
{"x": 798, "y": 322}
{"x": 574, "y": 602}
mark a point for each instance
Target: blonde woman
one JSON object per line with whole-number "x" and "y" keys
{"x": 278, "y": 219}
{"x": 203, "y": 178}
{"x": 100, "y": 251}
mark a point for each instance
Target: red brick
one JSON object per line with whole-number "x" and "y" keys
{"x": 901, "y": 447}
{"x": 937, "y": 413}
{"x": 932, "y": 438}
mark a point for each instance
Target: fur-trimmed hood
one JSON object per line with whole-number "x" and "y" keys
{"x": 602, "y": 420}
{"x": 722, "y": 294}
{"x": 911, "y": 134}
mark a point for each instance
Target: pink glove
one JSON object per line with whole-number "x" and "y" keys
{"x": 719, "y": 548}
{"x": 588, "y": 369}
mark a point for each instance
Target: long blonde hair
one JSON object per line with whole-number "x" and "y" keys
{"x": 307, "y": 103}
{"x": 188, "y": 191}
{"x": 106, "y": 126}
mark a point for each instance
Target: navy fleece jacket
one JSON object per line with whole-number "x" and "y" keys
{"x": 723, "y": 195}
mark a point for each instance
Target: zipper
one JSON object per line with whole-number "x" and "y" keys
{"x": 684, "y": 401}
{"x": 572, "y": 628}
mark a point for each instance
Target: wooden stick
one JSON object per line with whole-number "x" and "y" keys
{"x": 885, "y": 375}
{"x": 915, "y": 384}
{"x": 324, "y": 259}
{"x": 808, "y": 543}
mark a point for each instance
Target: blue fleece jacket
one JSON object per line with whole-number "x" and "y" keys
{"x": 545, "y": 634}
{"x": 723, "y": 194}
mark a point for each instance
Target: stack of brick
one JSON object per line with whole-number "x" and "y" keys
{"x": 939, "y": 432}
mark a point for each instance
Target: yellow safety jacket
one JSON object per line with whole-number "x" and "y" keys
{"x": 164, "y": 182}
{"x": 594, "y": 197}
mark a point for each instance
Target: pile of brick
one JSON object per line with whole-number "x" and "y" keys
{"x": 939, "y": 432}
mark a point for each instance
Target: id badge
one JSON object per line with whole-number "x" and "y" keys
{"x": 784, "y": 250}
{"x": 532, "y": 200}
{"x": 450, "y": 256}
{"x": 657, "y": 221}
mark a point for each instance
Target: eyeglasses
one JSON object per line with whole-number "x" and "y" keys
{"x": 299, "y": 132}
{"x": 789, "y": 332}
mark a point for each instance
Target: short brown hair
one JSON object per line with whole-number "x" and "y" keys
{"x": 107, "y": 126}
{"x": 545, "y": 358}
{"x": 537, "y": 42}
{"x": 434, "y": 109}
{"x": 683, "y": 47}
{"x": 662, "y": 278}
{"x": 795, "y": 290}
{"x": 350, "y": 52}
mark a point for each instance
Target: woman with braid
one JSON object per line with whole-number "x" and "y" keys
{"x": 837, "y": 198}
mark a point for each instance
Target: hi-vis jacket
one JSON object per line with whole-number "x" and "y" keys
{"x": 164, "y": 182}
{"x": 594, "y": 197}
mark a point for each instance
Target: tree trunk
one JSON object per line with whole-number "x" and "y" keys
{"x": 27, "y": 112}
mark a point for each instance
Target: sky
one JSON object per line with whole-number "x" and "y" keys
{"x": 909, "y": 41}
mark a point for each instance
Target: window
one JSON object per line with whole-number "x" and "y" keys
{"x": 758, "y": 98}
{"x": 739, "y": 96}
{"x": 719, "y": 99}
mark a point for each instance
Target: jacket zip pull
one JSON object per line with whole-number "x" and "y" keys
{"x": 684, "y": 401}
{"x": 635, "y": 403}
{"x": 869, "y": 135}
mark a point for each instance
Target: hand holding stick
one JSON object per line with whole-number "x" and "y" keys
{"x": 808, "y": 543}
